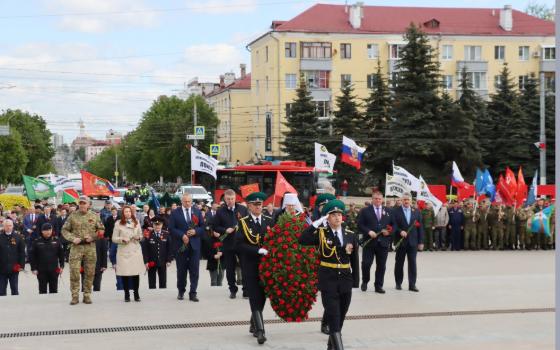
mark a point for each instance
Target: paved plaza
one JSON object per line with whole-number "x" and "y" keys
{"x": 467, "y": 300}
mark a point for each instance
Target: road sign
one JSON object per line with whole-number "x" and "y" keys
{"x": 195, "y": 137}
{"x": 199, "y": 131}
{"x": 116, "y": 173}
{"x": 215, "y": 149}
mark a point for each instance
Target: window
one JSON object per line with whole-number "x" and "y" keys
{"x": 323, "y": 109}
{"x": 266, "y": 54}
{"x": 257, "y": 87}
{"x": 396, "y": 51}
{"x": 523, "y": 53}
{"x": 372, "y": 51}
{"x": 497, "y": 81}
{"x": 290, "y": 50}
{"x": 522, "y": 81}
{"x": 291, "y": 81}
{"x": 477, "y": 80}
{"x": 317, "y": 79}
{"x": 448, "y": 82}
{"x": 316, "y": 50}
{"x": 345, "y": 79}
{"x": 549, "y": 82}
{"x": 345, "y": 51}
{"x": 371, "y": 81}
{"x": 473, "y": 53}
{"x": 499, "y": 52}
{"x": 549, "y": 53}
{"x": 447, "y": 52}
{"x": 288, "y": 109}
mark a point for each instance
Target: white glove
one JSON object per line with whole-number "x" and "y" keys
{"x": 263, "y": 251}
{"x": 320, "y": 221}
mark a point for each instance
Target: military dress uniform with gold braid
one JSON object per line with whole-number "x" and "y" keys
{"x": 80, "y": 225}
{"x": 338, "y": 271}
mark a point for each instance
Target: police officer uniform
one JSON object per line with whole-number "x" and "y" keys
{"x": 12, "y": 259}
{"x": 338, "y": 270}
{"x": 156, "y": 249}
{"x": 248, "y": 242}
{"x": 47, "y": 256}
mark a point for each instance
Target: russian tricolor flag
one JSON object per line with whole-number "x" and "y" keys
{"x": 352, "y": 153}
{"x": 456, "y": 177}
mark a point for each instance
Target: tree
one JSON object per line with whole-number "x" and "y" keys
{"x": 36, "y": 138}
{"x": 104, "y": 163}
{"x": 541, "y": 11}
{"x": 347, "y": 122}
{"x": 550, "y": 105}
{"x": 529, "y": 101}
{"x": 377, "y": 119}
{"x": 14, "y": 158}
{"x": 510, "y": 125}
{"x": 302, "y": 123}
{"x": 80, "y": 154}
{"x": 416, "y": 126}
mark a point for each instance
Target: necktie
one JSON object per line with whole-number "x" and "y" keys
{"x": 377, "y": 212}
{"x": 258, "y": 222}
{"x": 337, "y": 239}
{"x": 188, "y": 216}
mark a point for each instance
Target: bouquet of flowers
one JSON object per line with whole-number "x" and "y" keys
{"x": 225, "y": 235}
{"x": 289, "y": 271}
{"x": 192, "y": 225}
{"x": 364, "y": 242}
{"x": 415, "y": 224}
{"x": 218, "y": 247}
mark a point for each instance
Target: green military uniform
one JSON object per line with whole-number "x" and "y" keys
{"x": 482, "y": 228}
{"x": 471, "y": 218}
{"x": 80, "y": 225}
{"x": 496, "y": 223}
{"x": 523, "y": 214}
{"x": 352, "y": 220}
{"x": 510, "y": 238}
{"x": 428, "y": 219}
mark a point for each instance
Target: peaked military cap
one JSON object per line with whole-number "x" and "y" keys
{"x": 324, "y": 198}
{"x": 334, "y": 206}
{"x": 255, "y": 197}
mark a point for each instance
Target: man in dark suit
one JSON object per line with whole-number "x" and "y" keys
{"x": 375, "y": 223}
{"x": 248, "y": 242}
{"x": 110, "y": 224}
{"x": 187, "y": 227}
{"x": 58, "y": 223}
{"x": 47, "y": 217}
{"x": 225, "y": 223}
{"x": 409, "y": 235}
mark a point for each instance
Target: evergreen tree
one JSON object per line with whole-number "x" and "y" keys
{"x": 510, "y": 145}
{"x": 550, "y": 124}
{"x": 529, "y": 100}
{"x": 417, "y": 133}
{"x": 347, "y": 122}
{"x": 302, "y": 123}
{"x": 376, "y": 126}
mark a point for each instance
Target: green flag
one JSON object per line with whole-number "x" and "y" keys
{"x": 37, "y": 188}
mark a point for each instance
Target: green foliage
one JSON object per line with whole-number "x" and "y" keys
{"x": 529, "y": 101}
{"x": 541, "y": 11}
{"x": 104, "y": 164}
{"x": 302, "y": 123}
{"x": 550, "y": 124}
{"x": 14, "y": 158}
{"x": 35, "y": 138}
{"x": 80, "y": 154}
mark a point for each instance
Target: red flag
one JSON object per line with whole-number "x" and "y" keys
{"x": 70, "y": 195}
{"x": 466, "y": 190}
{"x": 511, "y": 184}
{"x": 282, "y": 186}
{"x": 521, "y": 189}
{"x": 248, "y": 189}
{"x": 503, "y": 190}
{"x": 93, "y": 185}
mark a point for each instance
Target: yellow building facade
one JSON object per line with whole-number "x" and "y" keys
{"x": 331, "y": 44}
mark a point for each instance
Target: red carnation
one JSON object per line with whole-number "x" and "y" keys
{"x": 389, "y": 228}
{"x": 58, "y": 270}
{"x": 146, "y": 234}
{"x": 417, "y": 224}
{"x": 287, "y": 225}
{"x": 81, "y": 269}
{"x": 100, "y": 234}
{"x": 17, "y": 268}
{"x": 217, "y": 245}
{"x": 194, "y": 219}
{"x": 151, "y": 264}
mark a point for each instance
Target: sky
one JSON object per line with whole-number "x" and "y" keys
{"x": 105, "y": 61}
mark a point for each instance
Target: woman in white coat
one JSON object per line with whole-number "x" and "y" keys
{"x": 130, "y": 263}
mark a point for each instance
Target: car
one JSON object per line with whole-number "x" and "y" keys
{"x": 119, "y": 195}
{"x": 17, "y": 190}
{"x": 197, "y": 192}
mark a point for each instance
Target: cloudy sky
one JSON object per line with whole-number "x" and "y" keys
{"x": 104, "y": 61}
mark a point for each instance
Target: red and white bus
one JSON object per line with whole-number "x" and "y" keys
{"x": 306, "y": 180}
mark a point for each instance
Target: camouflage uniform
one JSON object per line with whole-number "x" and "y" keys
{"x": 510, "y": 238}
{"x": 496, "y": 223}
{"x": 523, "y": 214}
{"x": 352, "y": 220}
{"x": 482, "y": 228}
{"x": 428, "y": 219}
{"x": 79, "y": 225}
{"x": 471, "y": 219}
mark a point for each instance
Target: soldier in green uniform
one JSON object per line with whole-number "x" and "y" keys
{"x": 471, "y": 219}
{"x": 482, "y": 228}
{"x": 82, "y": 228}
{"x": 352, "y": 218}
{"x": 496, "y": 222}
{"x": 428, "y": 218}
{"x": 510, "y": 238}
{"x": 523, "y": 214}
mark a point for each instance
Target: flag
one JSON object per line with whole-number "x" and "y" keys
{"x": 479, "y": 182}
{"x": 456, "y": 177}
{"x": 394, "y": 186}
{"x": 511, "y": 184}
{"x": 70, "y": 195}
{"x": 521, "y": 189}
{"x": 352, "y": 153}
{"x": 248, "y": 189}
{"x": 465, "y": 191}
{"x": 532, "y": 195}
{"x": 540, "y": 223}
{"x": 93, "y": 185}
{"x": 425, "y": 195}
{"x": 540, "y": 145}
{"x": 155, "y": 201}
{"x": 282, "y": 186}
{"x": 203, "y": 163}
{"x": 323, "y": 159}
{"x": 489, "y": 187}
{"x": 412, "y": 183}
{"x": 37, "y": 188}
{"x": 503, "y": 191}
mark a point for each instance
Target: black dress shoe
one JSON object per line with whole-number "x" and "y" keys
{"x": 379, "y": 290}
{"x": 399, "y": 287}
{"x": 194, "y": 298}
{"x": 413, "y": 289}
{"x": 325, "y": 328}
{"x": 363, "y": 287}
{"x": 245, "y": 295}
{"x": 180, "y": 297}
{"x": 232, "y": 295}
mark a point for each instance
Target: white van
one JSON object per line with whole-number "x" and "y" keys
{"x": 198, "y": 193}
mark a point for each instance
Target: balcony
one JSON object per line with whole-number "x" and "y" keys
{"x": 547, "y": 66}
{"x": 472, "y": 66}
{"x": 316, "y": 64}
{"x": 392, "y": 64}
{"x": 320, "y": 94}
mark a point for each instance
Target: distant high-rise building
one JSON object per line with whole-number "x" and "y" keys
{"x": 57, "y": 140}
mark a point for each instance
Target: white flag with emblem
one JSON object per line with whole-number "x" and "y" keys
{"x": 394, "y": 186}
{"x": 323, "y": 159}
{"x": 412, "y": 183}
{"x": 425, "y": 195}
{"x": 202, "y": 162}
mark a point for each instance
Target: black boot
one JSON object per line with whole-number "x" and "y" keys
{"x": 136, "y": 295}
{"x": 324, "y": 325}
{"x": 252, "y": 329}
{"x": 126, "y": 295}
{"x": 329, "y": 344}
{"x": 259, "y": 325}
{"x": 336, "y": 340}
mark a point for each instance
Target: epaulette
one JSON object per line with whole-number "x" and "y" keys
{"x": 245, "y": 217}
{"x": 266, "y": 216}
{"x": 348, "y": 231}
